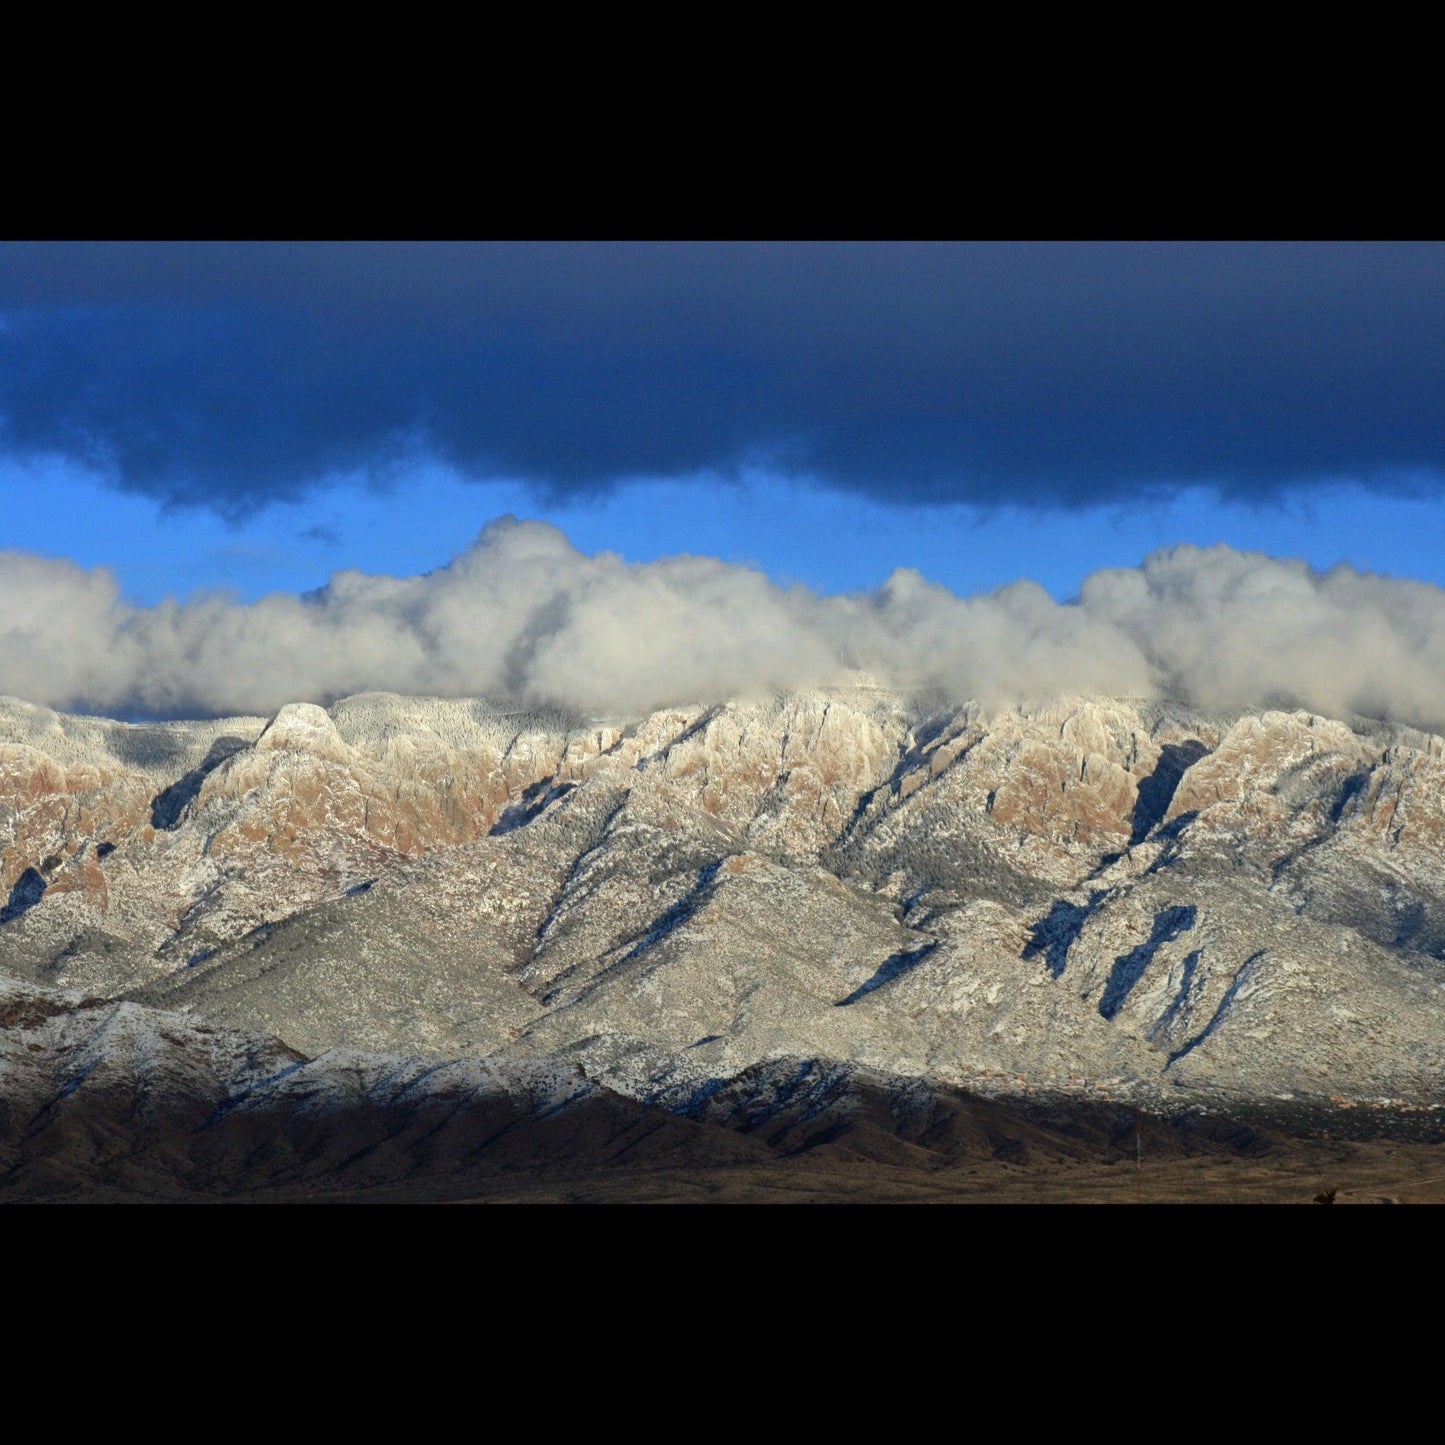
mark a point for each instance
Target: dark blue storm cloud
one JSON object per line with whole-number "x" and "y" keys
{"x": 228, "y": 375}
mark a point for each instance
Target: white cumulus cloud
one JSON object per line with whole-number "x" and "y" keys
{"x": 523, "y": 614}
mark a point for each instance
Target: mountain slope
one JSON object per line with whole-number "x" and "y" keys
{"x": 1104, "y": 897}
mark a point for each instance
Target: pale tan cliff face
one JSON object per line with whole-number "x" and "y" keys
{"x": 57, "y": 815}
{"x": 1060, "y": 785}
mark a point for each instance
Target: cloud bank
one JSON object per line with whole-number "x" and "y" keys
{"x": 523, "y": 614}
{"x": 1051, "y": 375}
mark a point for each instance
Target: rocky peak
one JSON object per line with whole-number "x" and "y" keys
{"x": 305, "y": 728}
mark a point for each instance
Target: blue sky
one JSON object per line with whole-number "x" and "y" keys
{"x": 256, "y": 417}
{"x": 827, "y": 540}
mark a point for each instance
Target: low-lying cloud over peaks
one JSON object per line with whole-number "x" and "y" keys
{"x": 523, "y": 614}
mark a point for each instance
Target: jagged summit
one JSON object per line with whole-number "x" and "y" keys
{"x": 301, "y": 726}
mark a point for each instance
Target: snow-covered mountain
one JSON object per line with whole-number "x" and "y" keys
{"x": 1101, "y": 898}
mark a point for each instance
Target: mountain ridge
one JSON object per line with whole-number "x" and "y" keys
{"x": 1097, "y": 896}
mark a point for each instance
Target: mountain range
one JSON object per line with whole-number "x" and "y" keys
{"x": 427, "y": 945}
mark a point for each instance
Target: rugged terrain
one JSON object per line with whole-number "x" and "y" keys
{"x": 422, "y": 943}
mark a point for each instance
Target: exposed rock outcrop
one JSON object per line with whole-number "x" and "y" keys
{"x": 1098, "y": 895}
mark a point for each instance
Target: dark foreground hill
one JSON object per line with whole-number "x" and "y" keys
{"x": 117, "y": 1103}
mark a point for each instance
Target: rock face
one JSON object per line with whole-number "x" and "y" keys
{"x": 1100, "y": 897}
